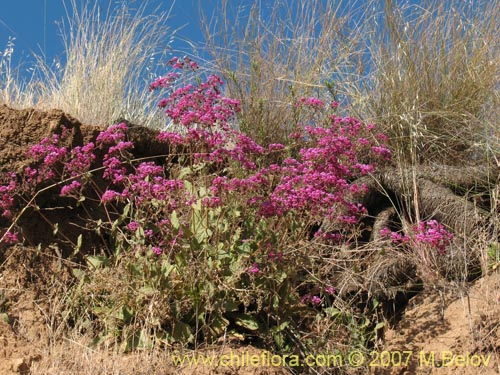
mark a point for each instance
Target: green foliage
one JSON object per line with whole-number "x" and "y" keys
{"x": 195, "y": 293}
{"x": 493, "y": 253}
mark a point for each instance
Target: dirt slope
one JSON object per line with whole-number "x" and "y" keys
{"x": 451, "y": 322}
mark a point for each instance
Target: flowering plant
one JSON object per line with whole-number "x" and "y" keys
{"x": 209, "y": 236}
{"x": 429, "y": 240}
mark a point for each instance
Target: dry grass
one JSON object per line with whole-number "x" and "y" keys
{"x": 13, "y": 90}
{"x": 434, "y": 81}
{"x": 427, "y": 72}
{"x": 110, "y": 58}
{"x": 270, "y": 56}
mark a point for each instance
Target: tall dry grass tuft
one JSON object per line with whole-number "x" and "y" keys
{"x": 110, "y": 56}
{"x": 434, "y": 78}
{"x": 433, "y": 86}
{"x": 14, "y": 91}
{"x": 6, "y": 74}
{"x": 271, "y": 55}
{"x": 428, "y": 72}
{"x": 107, "y": 56}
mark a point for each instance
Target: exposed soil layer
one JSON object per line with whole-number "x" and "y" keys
{"x": 34, "y": 281}
{"x": 450, "y": 330}
{"x": 19, "y": 131}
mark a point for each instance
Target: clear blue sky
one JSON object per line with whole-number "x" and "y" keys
{"x": 33, "y": 23}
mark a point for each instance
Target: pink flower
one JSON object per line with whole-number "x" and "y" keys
{"x": 275, "y": 147}
{"x": 10, "y": 238}
{"x": 275, "y": 257}
{"x": 71, "y": 189}
{"x": 385, "y": 232}
{"x": 434, "y": 234}
{"x": 112, "y": 135}
{"x": 399, "y": 238}
{"x": 315, "y": 300}
{"x": 311, "y": 102}
{"x": 330, "y": 290}
{"x": 163, "y": 82}
{"x": 173, "y": 138}
{"x": 157, "y": 250}
{"x": 109, "y": 195}
{"x": 382, "y": 151}
{"x": 254, "y": 269}
{"x": 133, "y": 226}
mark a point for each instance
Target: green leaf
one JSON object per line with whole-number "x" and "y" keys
{"x": 280, "y": 340}
{"x": 186, "y": 171}
{"x": 218, "y": 325}
{"x": 281, "y": 327}
{"x": 138, "y": 340}
{"x": 166, "y": 268}
{"x": 147, "y": 291}
{"x": 122, "y": 217}
{"x": 135, "y": 269}
{"x": 182, "y": 332}
{"x": 127, "y": 314}
{"x": 231, "y": 306}
{"x": 98, "y": 227}
{"x": 97, "y": 261}
{"x": 174, "y": 220}
{"x": 280, "y": 277}
{"x": 202, "y": 192}
{"x": 5, "y": 317}
{"x": 188, "y": 185}
{"x": 78, "y": 273}
{"x": 247, "y": 321}
{"x": 78, "y": 246}
{"x": 333, "y": 312}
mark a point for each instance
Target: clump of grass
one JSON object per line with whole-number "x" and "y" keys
{"x": 434, "y": 78}
{"x": 109, "y": 59}
{"x": 107, "y": 55}
{"x": 6, "y": 70}
{"x": 270, "y": 56}
{"x": 13, "y": 91}
{"x": 427, "y": 72}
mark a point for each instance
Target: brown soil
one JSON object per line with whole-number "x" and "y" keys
{"x": 450, "y": 321}
{"x": 34, "y": 282}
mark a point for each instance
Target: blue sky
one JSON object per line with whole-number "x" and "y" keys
{"x": 33, "y": 24}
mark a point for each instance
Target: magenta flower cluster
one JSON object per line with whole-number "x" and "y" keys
{"x": 434, "y": 234}
{"x": 7, "y": 194}
{"x": 195, "y": 104}
{"x": 311, "y": 102}
{"x": 48, "y": 153}
{"x": 430, "y": 233}
{"x": 318, "y": 183}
